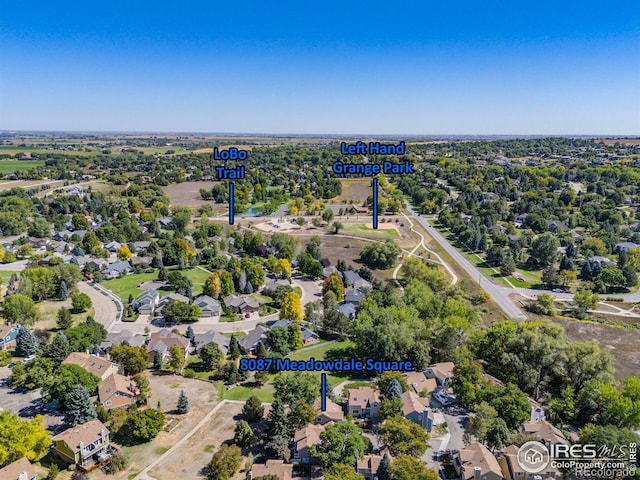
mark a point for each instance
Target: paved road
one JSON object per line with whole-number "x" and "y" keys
{"x": 105, "y": 308}
{"x": 499, "y": 294}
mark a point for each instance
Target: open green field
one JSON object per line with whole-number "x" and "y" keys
{"x": 13, "y": 149}
{"x": 128, "y": 284}
{"x": 363, "y": 230}
{"x": 11, "y": 166}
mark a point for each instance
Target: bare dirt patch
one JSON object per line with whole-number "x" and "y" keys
{"x": 354, "y": 190}
{"x": 191, "y": 458}
{"x": 622, "y": 343}
{"x": 188, "y": 193}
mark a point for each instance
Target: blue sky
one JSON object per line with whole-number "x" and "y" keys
{"x": 415, "y": 67}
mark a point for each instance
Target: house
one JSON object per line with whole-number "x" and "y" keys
{"x": 146, "y": 302}
{"x": 276, "y": 468}
{"x": 210, "y": 307}
{"x": 368, "y": 465}
{"x": 355, "y": 209}
{"x": 113, "y": 246}
{"x": 332, "y": 413}
{"x": 273, "y": 284}
{"x": 364, "y": 402}
{"x": 250, "y": 342}
{"x": 18, "y": 470}
{"x": 420, "y": 383}
{"x": 118, "y": 338}
{"x": 511, "y": 469}
{"x": 171, "y": 297}
{"x": 138, "y": 246}
{"x": 601, "y": 260}
{"x": 624, "y": 247}
{"x": 476, "y": 462}
{"x": 353, "y": 279}
{"x": 117, "y": 391}
{"x": 98, "y": 366}
{"x": 308, "y": 335}
{"x": 303, "y": 440}
{"x": 115, "y": 269}
{"x": 8, "y": 335}
{"x": 62, "y": 235}
{"x": 442, "y": 372}
{"x": 353, "y": 295}
{"x": 164, "y": 222}
{"x": 83, "y": 445}
{"x": 202, "y": 339}
{"x": 163, "y": 340}
{"x": 544, "y": 432}
{"x": 95, "y": 263}
{"x": 327, "y": 271}
{"x": 239, "y": 304}
{"x": 37, "y": 242}
{"x": 142, "y": 261}
{"x": 347, "y": 309}
{"x": 416, "y": 409}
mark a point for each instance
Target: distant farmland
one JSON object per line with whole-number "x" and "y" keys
{"x": 11, "y": 166}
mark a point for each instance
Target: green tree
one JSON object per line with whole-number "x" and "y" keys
{"x": 300, "y": 414}
{"x": 81, "y": 302}
{"x": 26, "y": 343}
{"x": 225, "y": 463}
{"x": 543, "y": 305}
{"x": 295, "y": 336}
{"x": 405, "y": 467}
{"x": 33, "y": 374}
{"x": 390, "y": 408}
{"x": 234, "y": 348}
{"x": 291, "y": 307}
{"x": 498, "y": 434}
{"x": 176, "y": 357}
{"x": 334, "y": 284}
{"x": 67, "y": 377}
{"x": 585, "y": 300}
{"x": 404, "y": 437}
{"x": 79, "y": 407}
{"x": 394, "y": 390}
{"x": 179, "y": 312}
{"x": 380, "y": 255}
{"x": 210, "y": 356}
{"x": 277, "y": 420}
{"x": 144, "y": 387}
{"x": 341, "y": 442}
{"x": 587, "y": 361}
{"x": 63, "y": 318}
{"x": 183, "y": 403}
{"x": 20, "y": 309}
{"x": 144, "y": 425}
{"x": 327, "y": 215}
{"x": 291, "y": 386}
{"x": 243, "y": 434}
{"x": 544, "y": 249}
{"x": 253, "y": 409}
{"x": 511, "y": 404}
{"x": 58, "y": 349}
{"x": 133, "y": 359}
{"x": 387, "y": 377}
{"x": 384, "y": 469}
{"x": 226, "y": 284}
{"x": 479, "y": 424}
{"x": 157, "y": 360}
{"x": 22, "y": 438}
{"x": 341, "y": 471}
{"x": 278, "y": 339}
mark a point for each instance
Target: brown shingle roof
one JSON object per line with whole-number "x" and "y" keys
{"x": 420, "y": 382}
{"x": 15, "y": 469}
{"x": 91, "y": 363}
{"x": 369, "y": 462}
{"x": 477, "y": 455}
{"x": 115, "y": 383}
{"x": 411, "y": 402}
{"x": 273, "y": 467}
{"x": 86, "y": 433}
{"x": 307, "y": 436}
{"x": 363, "y": 397}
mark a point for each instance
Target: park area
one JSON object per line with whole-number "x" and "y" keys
{"x": 134, "y": 283}
{"x": 187, "y": 194}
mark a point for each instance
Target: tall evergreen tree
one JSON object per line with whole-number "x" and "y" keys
{"x": 394, "y": 390}
{"x": 80, "y": 409}
{"x": 234, "y": 348}
{"x": 63, "y": 291}
{"x": 277, "y": 422}
{"x": 183, "y": 403}
{"x": 58, "y": 349}
{"x": 190, "y": 333}
{"x": 64, "y": 319}
{"x": 157, "y": 360}
{"x": 384, "y": 469}
{"x": 26, "y": 343}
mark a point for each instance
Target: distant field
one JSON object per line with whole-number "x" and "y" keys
{"x": 9, "y": 184}
{"x": 188, "y": 193}
{"x": 12, "y": 150}
{"x": 354, "y": 190}
{"x": 365, "y": 231}
{"x": 10, "y": 166}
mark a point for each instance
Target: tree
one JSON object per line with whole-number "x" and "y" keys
{"x": 133, "y": 359}
{"x": 144, "y": 387}
{"x": 212, "y": 286}
{"x": 78, "y": 475}
{"x": 498, "y": 434}
{"x": 295, "y": 336}
{"x": 511, "y": 405}
{"x": 178, "y": 312}
{"x": 341, "y": 471}
{"x": 26, "y": 343}
{"x": 117, "y": 463}
{"x": 58, "y": 349}
{"x": 300, "y": 414}
{"x": 390, "y": 408}
{"x": 404, "y": 437}
{"x": 81, "y": 302}
{"x": 336, "y": 227}
{"x": 32, "y": 375}
{"x": 585, "y": 300}
{"x": 253, "y": 409}
{"x": 63, "y": 382}
{"x": 277, "y": 421}
{"x": 291, "y": 307}
{"x": 63, "y": 291}
{"x": 226, "y": 284}
{"x": 550, "y": 276}
{"x": 183, "y": 403}
{"x": 334, "y": 284}
{"x": 380, "y": 255}
{"x": 394, "y": 390}
{"x": 384, "y": 469}
{"x": 22, "y": 438}
{"x": 144, "y": 425}
{"x": 387, "y": 377}
{"x": 585, "y": 361}
{"x": 593, "y": 246}
{"x": 630, "y": 276}
{"x": 282, "y": 268}
{"x": 544, "y": 249}
{"x": 243, "y": 434}
{"x": 80, "y": 408}
{"x": 327, "y": 215}
{"x": 479, "y": 424}
{"x": 40, "y": 228}
{"x": 341, "y": 442}
{"x": 64, "y": 319}
{"x": 278, "y": 339}
{"x": 191, "y": 335}
{"x": 210, "y": 355}
{"x": 508, "y": 266}
{"x": 291, "y": 386}
{"x": 176, "y": 357}
{"x": 543, "y": 305}
{"x": 225, "y": 463}
{"x": 234, "y": 348}
{"x": 20, "y": 309}
{"x": 405, "y": 467}
{"x": 157, "y": 360}
{"x": 123, "y": 253}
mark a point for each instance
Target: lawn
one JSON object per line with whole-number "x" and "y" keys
{"x": 128, "y": 285}
{"x": 49, "y": 313}
{"x": 10, "y": 166}
{"x": 361, "y": 229}
{"x": 264, "y": 393}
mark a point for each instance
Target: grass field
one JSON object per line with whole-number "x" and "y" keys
{"x": 13, "y": 149}
{"x": 363, "y": 230}
{"x": 354, "y": 190}
{"x": 11, "y": 166}
{"x": 128, "y": 284}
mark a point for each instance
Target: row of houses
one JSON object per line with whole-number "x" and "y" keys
{"x": 150, "y": 303}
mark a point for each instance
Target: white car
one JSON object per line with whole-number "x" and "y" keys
{"x": 28, "y": 358}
